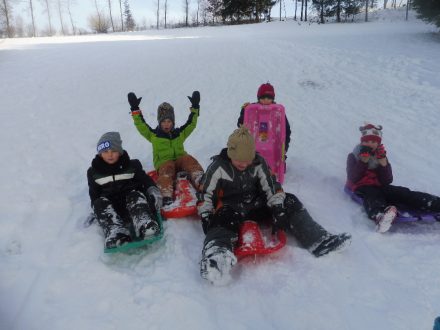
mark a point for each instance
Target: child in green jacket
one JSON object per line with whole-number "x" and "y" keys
{"x": 169, "y": 155}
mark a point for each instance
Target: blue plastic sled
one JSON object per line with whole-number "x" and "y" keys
{"x": 403, "y": 214}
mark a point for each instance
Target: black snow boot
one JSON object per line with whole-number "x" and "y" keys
{"x": 116, "y": 238}
{"x": 331, "y": 243}
{"x": 308, "y": 232}
{"x": 144, "y": 223}
{"x": 167, "y": 201}
{"x": 217, "y": 256}
{"x": 115, "y": 232}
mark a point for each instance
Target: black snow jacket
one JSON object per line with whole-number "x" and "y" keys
{"x": 245, "y": 191}
{"x": 117, "y": 180}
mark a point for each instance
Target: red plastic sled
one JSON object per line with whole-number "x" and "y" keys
{"x": 267, "y": 124}
{"x": 251, "y": 241}
{"x": 185, "y": 199}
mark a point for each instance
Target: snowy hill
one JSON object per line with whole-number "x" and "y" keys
{"x": 59, "y": 95}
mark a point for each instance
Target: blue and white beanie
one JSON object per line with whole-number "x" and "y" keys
{"x": 110, "y": 141}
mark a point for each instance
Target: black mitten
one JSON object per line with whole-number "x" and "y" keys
{"x": 134, "y": 101}
{"x": 195, "y": 100}
{"x": 280, "y": 218}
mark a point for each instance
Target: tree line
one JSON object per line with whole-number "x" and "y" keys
{"x": 116, "y": 15}
{"x": 60, "y": 12}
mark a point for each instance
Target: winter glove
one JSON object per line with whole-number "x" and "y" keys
{"x": 134, "y": 101}
{"x": 280, "y": 218}
{"x": 381, "y": 152}
{"x": 195, "y": 100}
{"x": 206, "y": 221}
{"x": 156, "y": 197}
{"x": 365, "y": 151}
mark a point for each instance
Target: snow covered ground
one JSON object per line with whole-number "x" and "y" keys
{"x": 59, "y": 95}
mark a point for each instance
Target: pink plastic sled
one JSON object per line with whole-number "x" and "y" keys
{"x": 267, "y": 124}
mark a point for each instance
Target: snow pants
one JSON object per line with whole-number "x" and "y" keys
{"x": 115, "y": 218}
{"x": 376, "y": 199}
{"x": 225, "y": 223}
{"x": 168, "y": 170}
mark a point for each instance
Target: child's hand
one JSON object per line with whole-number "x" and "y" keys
{"x": 195, "y": 100}
{"x": 381, "y": 152}
{"x": 365, "y": 153}
{"x": 134, "y": 101}
{"x": 382, "y": 161}
{"x": 280, "y": 219}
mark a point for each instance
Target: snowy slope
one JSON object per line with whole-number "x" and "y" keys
{"x": 59, "y": 95}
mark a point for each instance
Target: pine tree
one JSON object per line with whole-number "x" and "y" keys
{"x": 129, "y": 21}
{"x": 215, "y": 8}
{"x": 352, "y": 7}
{"x": 325, "y": 8}
{"x": 236, "y": 9}
{"x": 428, "y": 10}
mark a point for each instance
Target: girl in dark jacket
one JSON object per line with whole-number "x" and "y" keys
{"x": 121, "y": 193}
{"x": 369, "y": 175}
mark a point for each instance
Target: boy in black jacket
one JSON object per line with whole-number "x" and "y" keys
{"x": 121, "y": 192}
{"x": 239, "y": 186}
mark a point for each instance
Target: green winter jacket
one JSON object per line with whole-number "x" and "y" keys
{"x": 166, "y": 146}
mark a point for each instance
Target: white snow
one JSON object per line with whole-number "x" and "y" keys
{"x": 58, "y": 95}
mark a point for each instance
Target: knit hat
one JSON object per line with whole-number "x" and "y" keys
{"x": 241, "y": 145}
{"x": 165, "y": 111}
{"x": 371, "y": 132}
{"x": 266, "y": 90}
{"x": 110, "y": 141}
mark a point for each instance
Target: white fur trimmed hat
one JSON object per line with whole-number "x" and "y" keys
{"x": 371, "y": 132}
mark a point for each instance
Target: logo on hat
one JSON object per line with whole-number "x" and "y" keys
{"x": 103, "y": 146}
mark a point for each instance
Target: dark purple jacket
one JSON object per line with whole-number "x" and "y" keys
{"x": 366, "y": 174}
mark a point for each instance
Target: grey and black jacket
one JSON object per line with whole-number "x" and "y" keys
{"x": 244, "y": 191}
{"x": 117, "y": 180}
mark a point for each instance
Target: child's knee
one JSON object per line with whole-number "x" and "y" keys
{"x": 101, "y": 203}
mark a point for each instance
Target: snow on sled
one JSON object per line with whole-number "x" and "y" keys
{"x": 185, "y": 199}
{"x": 137, "y": 243}
{"x": 267, "y": 124}
{"x": 403, "y": 214}
{"x": 252, "y": 241}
